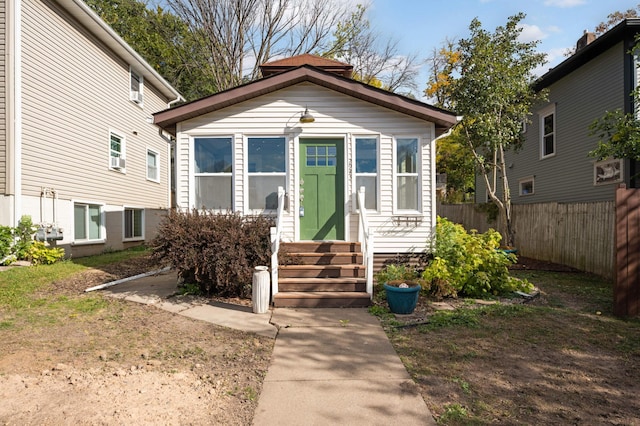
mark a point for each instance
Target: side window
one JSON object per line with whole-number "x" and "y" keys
{"x": 266, "y": 171}
{"x": 87, "y": 222}
{"x": 526, "y": 186}
{"x": 547, "y": 131}
{"x": 133, "y": 223}
{"x": 153, "y": 165}
{"x": 367, "y": 170}
{"x": 407, "y": 175}
{"x": 116, "y": 151}
{"x": 136, "y": 87}
{"x": 213, "y": 172}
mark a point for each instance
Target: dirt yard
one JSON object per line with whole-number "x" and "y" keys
{"x": 562, "y": 359}
{"x": 127, "y": 364}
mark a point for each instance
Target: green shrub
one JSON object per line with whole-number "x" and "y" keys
{"x": 471, "y": 264}
{"x": 216, "y": 251}
{"x": 39, "y": 254}
{"x": 6, "y": 241}
{"x": 23, "y": 234}
{"x": 395, "y": 272}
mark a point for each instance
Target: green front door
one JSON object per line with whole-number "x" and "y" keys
{"x": 321, "y": 189}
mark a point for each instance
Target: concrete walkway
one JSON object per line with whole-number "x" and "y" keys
{"x": 160, "y": 290}
{"x": 329, "y": 366}
{"x": 336, "y": 366}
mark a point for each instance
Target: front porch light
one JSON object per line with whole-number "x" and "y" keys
{"x": 306, "y": 116}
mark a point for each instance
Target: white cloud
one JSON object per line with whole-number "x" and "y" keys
{"x": 531, "y": 33}
{"x": 564, "y": 3}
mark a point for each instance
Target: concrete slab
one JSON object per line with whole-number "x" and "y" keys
{"x": 233, "y": 318}
{"x": 341, "y": 402}
{"x": 160, "y": 290}
{"x": 320, "y": 317}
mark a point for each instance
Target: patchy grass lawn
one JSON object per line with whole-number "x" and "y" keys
{"x": 70, "y": 357}
{"x": 560, "y": 359}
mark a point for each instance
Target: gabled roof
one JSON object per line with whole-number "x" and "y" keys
{"x": 443, "y": 120}
{"x": 90, "y": 20}
{"x": 625, "y": 30}
{"x": 330, "y": 65}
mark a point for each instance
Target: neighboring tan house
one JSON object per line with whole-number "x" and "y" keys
{"x": 310, "y": 129}
{"x": 553, "y": 165}
{"x": 78, "y": 150}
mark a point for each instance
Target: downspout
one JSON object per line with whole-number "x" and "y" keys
{"x": 15, "y": 65}
{"x": 433, "y": 168}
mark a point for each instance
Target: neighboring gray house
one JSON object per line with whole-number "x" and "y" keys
{"x": 78, "y": 150}
{"x": 553, "y": 165}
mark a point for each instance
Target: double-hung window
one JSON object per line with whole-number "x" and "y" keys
{"x": 136, "y": 87}
{"x": 407, "y": 175}
{"x": 213, "y": 172}
{"x": 266, "y": 171}
{"x": 153, "y": 165}
{"x": 87, "y": 222}
{"x": 548, "y": 131}
{"x": 367, "y": 170}
{"x": 116, "y": 151}
{"x": 133, "y": 223}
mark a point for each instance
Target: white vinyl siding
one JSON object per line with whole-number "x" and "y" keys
{"x": 337, "y": 116}
{"x": 61, "y": 113}
{"x": 3, "y": 99}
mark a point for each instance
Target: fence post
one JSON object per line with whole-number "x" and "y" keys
{"x": 626, "y": 291}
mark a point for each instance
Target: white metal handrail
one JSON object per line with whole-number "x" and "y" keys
{"x": 365, "y": 237}
{"x": 275, "y": 242}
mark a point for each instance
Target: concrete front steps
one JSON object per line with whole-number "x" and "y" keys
{"x": 324, "y": 274}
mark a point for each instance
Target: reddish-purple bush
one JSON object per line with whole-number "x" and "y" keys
{"x": 216, "y": 251}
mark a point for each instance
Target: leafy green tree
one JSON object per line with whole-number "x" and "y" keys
{"x": 494, "y": 94}
{"x": 442, "y": 63}
{"x": 454, "y": 158}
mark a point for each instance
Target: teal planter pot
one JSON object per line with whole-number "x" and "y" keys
{"x": 402, "y": 300}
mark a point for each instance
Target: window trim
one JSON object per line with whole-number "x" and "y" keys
{"x": 246, "y": 174}
{"x": 122, "y": 153}
{"x": 124, "y": 225}
{"x": 356, "y": 174}
{"x": 396, "y": 175}
{"x": 139, "y": 98}
{"x": 157, "y": 155}
{"x": 542, "y": 114}
{"x": 193, "y": 174}
{"x": 102, "y": 237}
{"x": 524, "y": 180}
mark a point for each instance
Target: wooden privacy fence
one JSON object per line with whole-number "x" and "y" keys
{"x": 580, "y": 235}
{"x": 626, "y": 290}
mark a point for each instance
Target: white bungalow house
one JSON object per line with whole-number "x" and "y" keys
{"x": 308, "y": 128}
{"x": 78, "y": 151}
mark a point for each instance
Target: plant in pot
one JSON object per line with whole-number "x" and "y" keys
{"x": 402, "y": 287}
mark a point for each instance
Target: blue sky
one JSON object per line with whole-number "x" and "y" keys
{"x": 422, "y": 25}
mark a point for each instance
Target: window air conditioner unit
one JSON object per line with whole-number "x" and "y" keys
{"x": 117, "y": 163}
{"x": 136, "y": 97}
